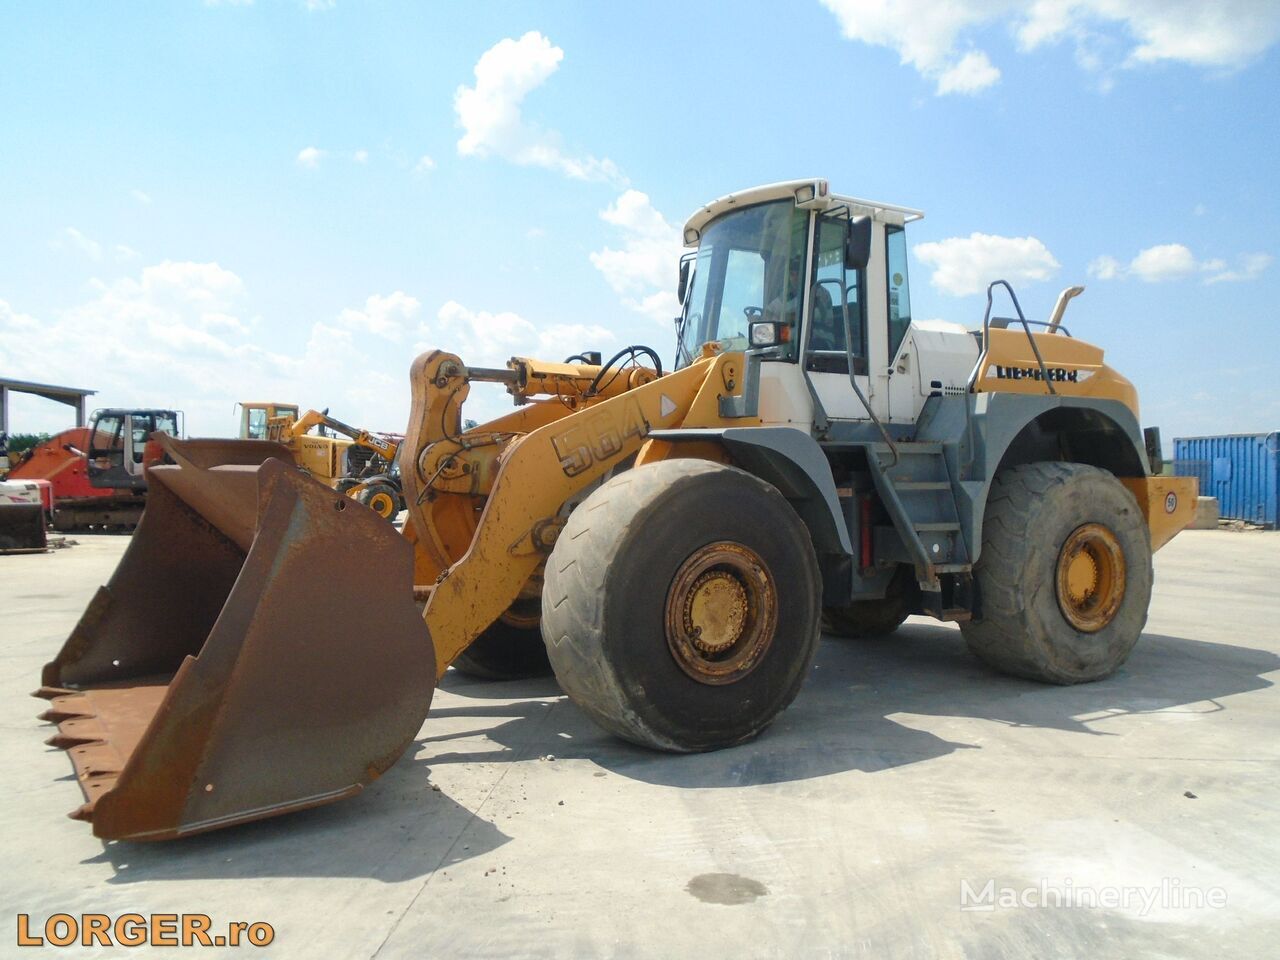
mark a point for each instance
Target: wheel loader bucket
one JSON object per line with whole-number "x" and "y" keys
{"x": 257, "y": 651}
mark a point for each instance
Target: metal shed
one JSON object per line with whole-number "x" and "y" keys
{"x": 71, "y": 396}
{"x": 1241, "y": 470}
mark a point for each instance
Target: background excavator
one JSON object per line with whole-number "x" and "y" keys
{"x": 669, "y": 542}
{"x": 97, "y": 473}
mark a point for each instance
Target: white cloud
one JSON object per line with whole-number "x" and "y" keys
{"x": 1175, "y": 261}
{"x": 86, "y": 245}
{"x": 925, "y": 34}
{"x": 490, "y": 112}
{"x": 643, "y": 271}
{"x": 1251, "y": 265}
{"x": 425, "y": 164}
{"x": 385, "y": 317}
{"x": 175, "y": 338}
{"x": 935, "y": 36}
{"x": 125, "y": 253}
{"x": 313, "y": 5}
{"x": 482, "y": 338}
{"x": 361, "y": 156}
{"x": 973, "y": 72}
{"x": 141, "y": 197}
{"x": 310, "y": 157}
{"x": 1167, "y": 261}
{"x": 182, "y": 336}
{"x": 965, "y": 265}
{"x": 1105, "y": 268}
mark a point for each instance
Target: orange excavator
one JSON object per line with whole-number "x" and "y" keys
{"x": 98, "y": 473}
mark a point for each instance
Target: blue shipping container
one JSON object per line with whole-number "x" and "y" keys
{"x": 1242, "y": 471}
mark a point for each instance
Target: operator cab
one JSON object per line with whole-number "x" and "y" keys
{"x": 120, "y": 447}
{"x": 816, "y": 286}
{"x": 256, "y": 418}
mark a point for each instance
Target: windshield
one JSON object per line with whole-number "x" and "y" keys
{"x": 749, "y": 263}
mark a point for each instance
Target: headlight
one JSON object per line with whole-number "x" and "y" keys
{"x": 764, "y": 333}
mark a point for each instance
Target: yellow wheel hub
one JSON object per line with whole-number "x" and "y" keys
{"x": 716, "y": 611}
{"x": 1090, "y": 577}
{"x": 721, "y": 613}
{"x": 383, "y": 504}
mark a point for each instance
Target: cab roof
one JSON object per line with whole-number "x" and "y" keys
{"x": 810, "y": 194}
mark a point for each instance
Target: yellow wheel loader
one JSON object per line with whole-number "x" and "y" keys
{"x": 670, "y": 541}
{"x": 333, "y": 460}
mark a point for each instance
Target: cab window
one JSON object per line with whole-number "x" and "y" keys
{"x": 835, "y": 289}
{"x": 257, "y": 424}
{"x": 108, "y": 439}
{"x": 141, "y": 429}
{"x": 899, "y": 298}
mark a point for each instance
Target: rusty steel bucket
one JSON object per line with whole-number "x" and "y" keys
{"x": 257, "y": 651}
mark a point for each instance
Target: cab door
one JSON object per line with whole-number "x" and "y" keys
{"x": 833, "y": 290}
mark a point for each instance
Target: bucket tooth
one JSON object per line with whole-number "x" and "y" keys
{"x": 83, "y": 812}
{"x": 67, "y": 708}
{"x": 64, "y": 741}
{"x": 51, "y": 693}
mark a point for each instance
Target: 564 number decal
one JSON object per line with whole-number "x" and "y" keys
{"x": 599, "y": 436}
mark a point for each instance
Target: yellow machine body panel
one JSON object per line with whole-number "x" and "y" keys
{"x": 1075, "y": 368}
{"x": 1168, "y": 503}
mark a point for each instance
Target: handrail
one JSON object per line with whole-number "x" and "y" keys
{"x": 986, "y": 336}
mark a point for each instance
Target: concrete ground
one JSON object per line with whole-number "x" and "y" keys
{"x": 905, "y": 776}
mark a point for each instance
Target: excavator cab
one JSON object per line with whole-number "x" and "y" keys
{"x": 120, "y": 445}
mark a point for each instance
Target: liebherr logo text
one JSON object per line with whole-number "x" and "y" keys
{"x": 599, "y": 436}
{"x": 1056, "y": 374}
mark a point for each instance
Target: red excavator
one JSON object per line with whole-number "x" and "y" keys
{"x": 98, "y": 472}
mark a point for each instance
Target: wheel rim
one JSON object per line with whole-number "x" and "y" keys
{"x": 1091, "y": 577}
{"x": 721, "y": 613}
{"x": 383, "y": 504}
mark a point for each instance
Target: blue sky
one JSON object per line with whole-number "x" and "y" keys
{"x": 201, "y": 203}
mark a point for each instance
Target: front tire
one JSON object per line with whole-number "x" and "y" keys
{"x": 681, "y": 605}
{"x": 382, "y": 498}
{"x": 1064, "y": 575}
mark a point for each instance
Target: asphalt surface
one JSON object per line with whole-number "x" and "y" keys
{"x": 1137, "y": 817}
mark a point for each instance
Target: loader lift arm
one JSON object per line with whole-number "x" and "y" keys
{"x": 519, "y": 471}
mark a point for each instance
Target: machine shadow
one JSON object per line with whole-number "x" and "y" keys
{"x": 401, "y": 828}
{"x": 398, "y": 829}
{"x": 843, "y": 718}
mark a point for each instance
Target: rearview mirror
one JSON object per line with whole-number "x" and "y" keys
{"x": 684, "y": 281}
{"x": 857, "y": 244}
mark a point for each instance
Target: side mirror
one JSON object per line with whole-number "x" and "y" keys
{"x": 857, "y": 244}
{"x": 683, "y": 288}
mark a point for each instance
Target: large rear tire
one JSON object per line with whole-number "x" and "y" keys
{"x": 1064, "y": 575}
{"x": 510, "y": 649}
{"x": 681, "y": 605}
{"x": 872, "y": 619}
